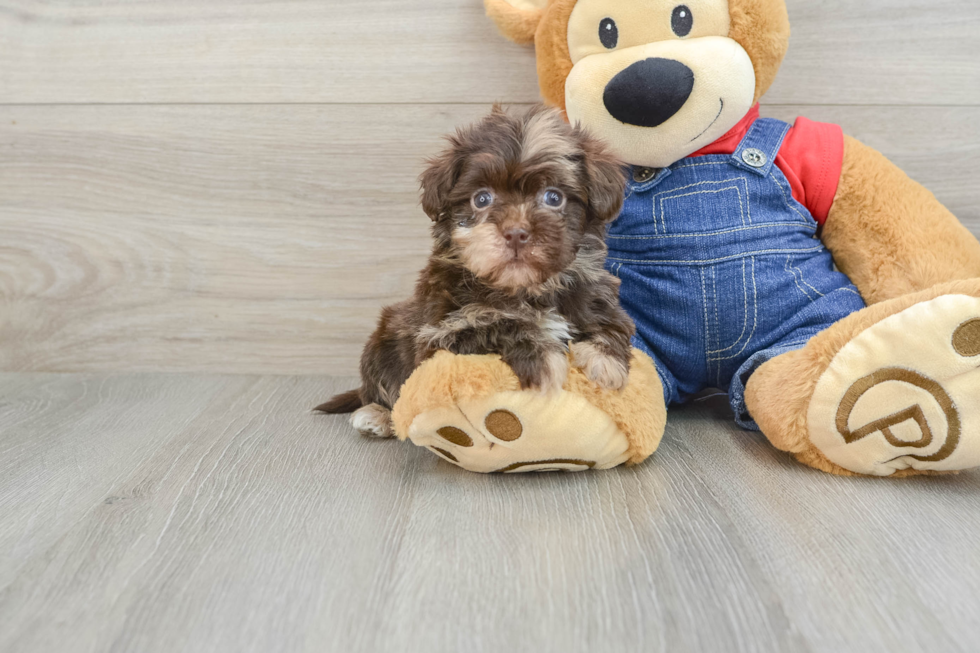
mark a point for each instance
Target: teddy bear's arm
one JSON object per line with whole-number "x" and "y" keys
{"x": 889, "y": 234}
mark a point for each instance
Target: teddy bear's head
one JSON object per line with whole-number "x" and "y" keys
{"x": 657, "y": 79}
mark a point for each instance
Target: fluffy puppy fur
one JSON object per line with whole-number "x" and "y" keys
{"x": 520, "y": 206}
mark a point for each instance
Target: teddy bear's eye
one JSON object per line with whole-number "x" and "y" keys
{"x": 682, "y": 20}
{"x": 608, "y": 33}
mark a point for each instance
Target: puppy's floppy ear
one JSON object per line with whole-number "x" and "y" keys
{"x": 438, "y": 180}
{"x": 606, "y": 179}
{"x": 516, "y": 19}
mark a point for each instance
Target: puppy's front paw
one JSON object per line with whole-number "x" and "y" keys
{"x": 546, "y": 374}
{"x": 601, "y": 368}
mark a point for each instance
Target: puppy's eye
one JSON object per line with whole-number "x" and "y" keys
{"x": 482, "y": 199}
{"x": 553, "y": 198}
{"x": 682, "y": 21}
{"x": 608, "y": 33}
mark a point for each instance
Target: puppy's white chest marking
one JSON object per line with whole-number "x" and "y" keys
{"x": 552, "y": 328}
{"x": 555, "y": 327}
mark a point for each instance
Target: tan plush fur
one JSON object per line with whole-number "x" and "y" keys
{"x": 517, "y": 24}
{"x": 446, "y": 380}
{"x": 762, "y": 28}
{"x": 551, "y": 44}
{"x": 639, "y": 410}
{"x": 548, "y": 29}
{"x": 778, "y": 393}
{"x": 759, "y": 26}
{"x": 890, "y": 235}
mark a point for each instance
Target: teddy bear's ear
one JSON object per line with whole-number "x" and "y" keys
{"x": 516, "y": 19}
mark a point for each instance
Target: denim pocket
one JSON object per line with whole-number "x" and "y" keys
{"x": 731, "y": 303}
{"x": 704, "y": 206}
{"x": 695, "y": 208}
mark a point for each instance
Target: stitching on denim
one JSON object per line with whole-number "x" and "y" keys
{"x": 767, "y": 225}
{"x": 666, "y": 379}
{"x": 755, "y": 316}
{"x": 716, "y": 260}
{"x": 787, "y": 202}
{"x": 653, "y": 216}
{"x": 759, "y": 137}
{"x": 707, "y": 327}
{"x": 777, "y": 143}
{"x": 745, "y": 314}
{"x": 747, "y": 209}
{"x": 805, "y": 282}
{"x": 798, "y": 277}
{"x": 741, "y": 208}
{"x": 738, "y": 184}
{"x": 730, "y": 180}
{"x": 795, "y": 280}
{"x": 714, "y": 294}
{"x": 700, "y": 165}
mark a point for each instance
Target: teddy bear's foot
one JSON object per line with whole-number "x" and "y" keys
{"x": 470, "y": 411}
{"x": 899, "y": 396}
{"x": 905, "y": 393}
{"x": 523, "y": 432}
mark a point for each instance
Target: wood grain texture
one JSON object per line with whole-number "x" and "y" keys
{"x": 262, "y": 234}
{"x": 59, "y": 476}
{"x": 244, "y": 523}
{"x": 264, "y": 239}
{"x": 882, "y": 52}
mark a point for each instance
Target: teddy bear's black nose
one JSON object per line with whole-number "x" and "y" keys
{"x": 648, "y": 92}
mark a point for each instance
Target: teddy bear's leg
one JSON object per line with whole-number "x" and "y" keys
{"x": 893, "y": 389}
{"x": 470, "y": 411}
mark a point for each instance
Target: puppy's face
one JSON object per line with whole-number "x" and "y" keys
{"x": 513, "y": 197}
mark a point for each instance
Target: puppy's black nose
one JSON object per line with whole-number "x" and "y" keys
{"x": 516, "y": 238}
{"x": 649, "y": 92}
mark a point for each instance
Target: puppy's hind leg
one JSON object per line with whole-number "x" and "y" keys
{"x": 373, "y": 420}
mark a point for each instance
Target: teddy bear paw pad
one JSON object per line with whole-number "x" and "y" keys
{"x": 904, "y": 393}
{"x": 512, "y": 432}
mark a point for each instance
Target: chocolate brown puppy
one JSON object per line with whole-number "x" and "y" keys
{"x": 520, "y": 206}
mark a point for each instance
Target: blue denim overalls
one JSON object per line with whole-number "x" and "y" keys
{"x": 722, "y": 268}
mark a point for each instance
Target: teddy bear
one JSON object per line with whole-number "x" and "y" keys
{"x": 833, "y": 298}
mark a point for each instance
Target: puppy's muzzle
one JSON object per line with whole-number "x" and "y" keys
{"x": 649, "y": 92}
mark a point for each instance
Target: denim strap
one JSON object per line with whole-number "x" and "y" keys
{"x": 766, "y": 136}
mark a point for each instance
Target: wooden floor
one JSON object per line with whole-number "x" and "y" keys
{"x": 215, "y": 513}
{"x": 194, "y": 190}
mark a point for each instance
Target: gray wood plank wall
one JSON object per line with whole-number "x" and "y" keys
{"x": 231, "y": 186}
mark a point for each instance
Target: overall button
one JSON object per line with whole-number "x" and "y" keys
{"x": 754, "y": 157}
{"x": 641, "y": 175}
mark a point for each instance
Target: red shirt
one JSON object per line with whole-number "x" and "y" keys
{"x": 811, "y": 158}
